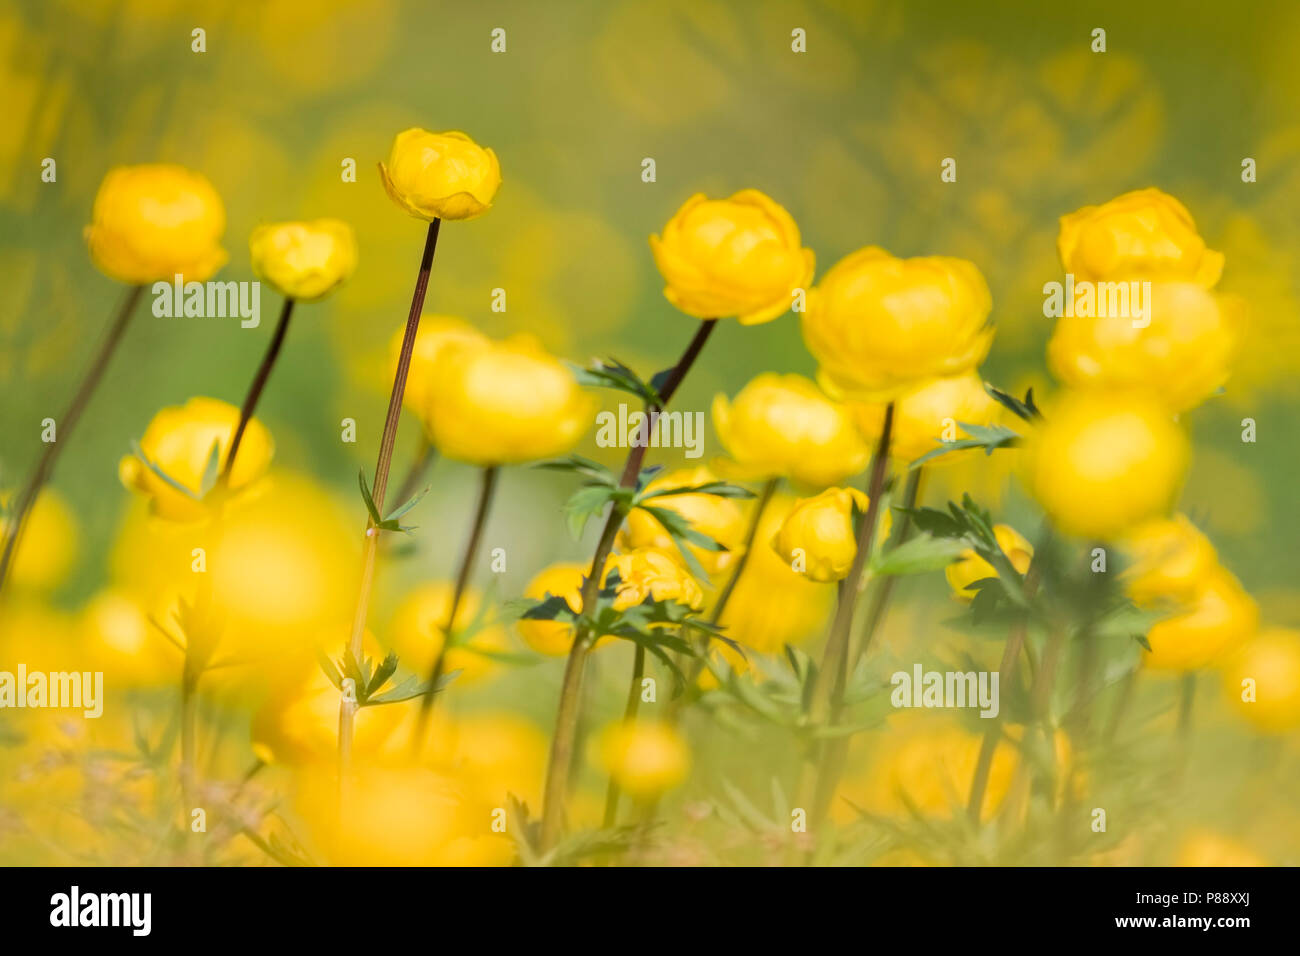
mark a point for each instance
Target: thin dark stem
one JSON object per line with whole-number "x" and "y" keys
{"x": 560, "y": 761}
{"x": 613, "y": 793}
{"x": 424, "y": 459}
{"x": 258, "y": 386}
{"x": 45, "y": 465}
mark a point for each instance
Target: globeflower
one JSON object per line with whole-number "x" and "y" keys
{"x": 48, "y": 548}
{"x": 503, "y": 403}
{"x": 441, "y": 175}
{"x": 1171, "y": 560}
{"x": 785, "y": 426}
{"x": 179, "y": 442}
{"x": 879, "y": 325}
{"x": 153, "y": 222}
{"x": 554, "y": 638}
{"x": 418, "y": 633}
{"x": 929, "y": 415}
{"x": 818, "y": 536}
{"x": 712, "y": 515}
{"x": 656, "y": 574}
{"x": 1144, "y": 234}
{"x": 1103, "y": 463}
{"x": 1220, "y": 616}
{"x": 436, "y": 333}
{"x": 1269, "y": 665}
{"x": 739, "y": 257}
{"x": 644, "y": 758}
{"x": 970, "y": 567}
{"x": 303, "y": 260}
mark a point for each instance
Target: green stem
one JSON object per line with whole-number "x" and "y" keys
{"x": 613, "y": 793}
{"x": 258, "y": 386}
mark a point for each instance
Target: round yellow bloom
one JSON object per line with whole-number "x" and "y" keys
{"x": 553, "y": 638}
{"x": 303, "y": 260}
{"x": 1272, "y": 661}
{"x": 417, "y": 633}
{"x": 784, "y": 426}
{"x": 504, "y": 403}
{"x": 879, "y": 325}
{"x": 1171, "y": 560}
{"x": 929, "y": 415}
{"x": 817, "y": 536}
{"x": 970, "y": 567}
{"x": 1220, "y": 616}
{"x": 179, "y": 440}
{"x": 48, "y": 548}
{"x": 1181, "y": 358}
{"x": 1145, "y": 234}
{"x": 436, "y": 333}
{"x": 654, "y": 573}
{"x": 732, "y": 257}
{"x": 119, "y": 639}
{"x": 441, "y": 175}
{"x": 1203, "y": 848}
{"x": 644, "y": 758}
{"x": 1103, "y": 463}
{"x": 719, "y": 518}
{"x": 151, "y": 223}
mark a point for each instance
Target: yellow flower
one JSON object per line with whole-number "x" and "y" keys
{"x": 1271, "y": 660}
{"x": 1145, "y": 234}
{"x": 774, "y": 605}
{"x": 119, "y": 639}
{"x": 644, "y": 758}
{"x": 1180, "y": 358}
{"x": 970, "y": 567}
{"x": 417, "y": 633}
{"x": 719, "y": 518}
{"x": 436, "y": 332}
{"x": 879, "y": 325}
{"x": 303, "y": 260}
{"x": 179, "y": 441}
{"x": 1203, "y": 848}
{"x": 1219, "y": 616}
{"x": 1103, "y": 463}
{"x": 817, "y": 536}
{"x": 928, "y": 415}
{"x": 1171, "y": 560}
{"x": 784, "y": 426}
{"x": 732, "y": 257}
{"x": 151, "y": 223}
{"x": 494, "y": 754}
{"x": 48, "y": 548}
{"x": 553, "y": 638}
{"x": 657, "y": 574}
{"x": 441, "y": 175}
{"x": 504, "y": 403}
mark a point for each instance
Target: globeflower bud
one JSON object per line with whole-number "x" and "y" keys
{"x": 656, "y": 574}
{"x": 712, "y": 515}
{"x": 1219, "y": 616}
{"x": 879, "y": 325}
{"x": 737, "y": 257}
{"x": 441, "y": 175}
{"x": 303, "y": 260}
{"x": 818, "y": 536}
{"x": 179, "y": 442}
{"x": 645, "y": 759}
{"x": 784, "y": 426}
{"x": 930, "y": 415}
{"x": 970, "y": 567}
{"x": 1103, "y": 463}
{"x": 436, "y": 332}
{"x": 504, "y": 403}
{"x": 1145, "y": 234}
{"x": 151, "y": 223}
{"x": 1271, "y": 663}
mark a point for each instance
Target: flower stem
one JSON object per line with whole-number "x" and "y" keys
{"x": 486, "y": 491}
{"x": 45, "y": 465}
{"x": 258, "y": 386}
{"x": 420, "y": 465}
{"x": 560, "y": 762}
{"x": 613, "y": 793}
{"x": 347, "y": 708}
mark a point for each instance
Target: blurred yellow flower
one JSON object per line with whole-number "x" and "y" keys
{"x": 879, "y": 325}
{"x": 303, "y": 260}
{"x": 970, "y": 567}
{"x": 1144, "y": 234}
{"x": 928, "y": 415}
{"x": 1181, "y": 358}
{"x": 504, "y": 403}
{"x": 1103, "y": 463}
{"x": 555, "y": 638}
{"x": 737, "y": 257}
{"x": 818, "y": 537}
{"x": 784, "y": 426}
{"x": 1218, "y": 617}
{"x": 179, "y": 441}
{"x": 1171, "y": 560}
{"x": 1270, "y": 661}
{"x": 49, "y": 544}
{"x": 1205, "y": 848}
{"x": 493, "y": 753}
{"x": 151, "y": 223}
{"x": 418, "y": 633}
{"x": 719, "y": 518}
{"x": 441, "y": 175}
{"x": 655, "y": 573}
{"x": 644, "y": 758}
{"x": 436, "y": 333}
{"x": 118, "y": 639}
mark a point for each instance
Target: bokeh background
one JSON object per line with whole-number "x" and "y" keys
{"x": 848, "y": 136}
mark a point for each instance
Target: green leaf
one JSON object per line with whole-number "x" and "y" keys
{"x": 403, "y": 509}
{"x": 611, "y": 373}
{"x": 721, "y": 489}
{"x": 211, "y": 470}
{"x": 365, "y": 496}
{"x": 586, "y": 503}
{"x": 139, "y": 453}
{"x": 918, "y": 555}
{"x": 583, "y": 466}
{"x": 988, "y": 437}
{"x": 1026, "y": 409}
{"x": 386, "y": 669}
